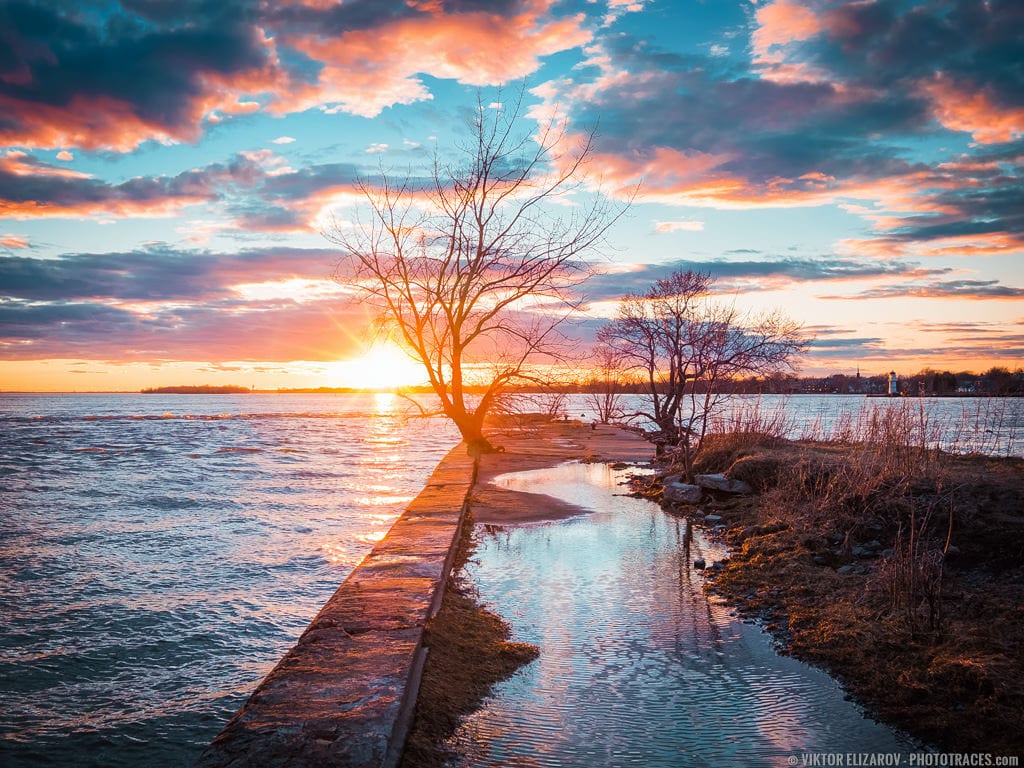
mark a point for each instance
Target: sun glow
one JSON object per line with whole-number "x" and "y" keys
{"x": 382, "y": 367}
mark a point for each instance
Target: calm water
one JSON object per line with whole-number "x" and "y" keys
{"x": 158, "y": 555}
{"x": 637, "y": 666}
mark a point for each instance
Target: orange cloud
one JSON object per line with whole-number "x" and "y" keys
{"x": 985, "y": 244}
{"x": 87, "y": 122}
{"x": 974, "y": 112}
{"x": 367, "y": 70}
{"x": 17, "y": 163}
{"x": 31, "y": 189}
{"x": 104, "y": 122}
{"x": 780, "y": 24}
{"x": 13, "y": 241}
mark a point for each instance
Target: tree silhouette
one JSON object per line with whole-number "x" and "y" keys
{"x": 688, "y": 348}
{"x": 474, "y": 266}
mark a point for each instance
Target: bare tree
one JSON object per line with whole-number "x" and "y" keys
{"x": 604, "y": 392}
{"x": 474, "y": 266}
{"x": 688, "y": 348}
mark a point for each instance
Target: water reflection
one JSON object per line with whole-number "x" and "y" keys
{"x": 637, "y": 666}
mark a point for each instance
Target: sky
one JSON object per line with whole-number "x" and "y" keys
{"x": 167, "y": 168}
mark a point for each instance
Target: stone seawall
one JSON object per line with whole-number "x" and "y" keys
{"x": 345, "y": 694}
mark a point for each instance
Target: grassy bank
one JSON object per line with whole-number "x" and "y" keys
{"x": 897, "y": 567}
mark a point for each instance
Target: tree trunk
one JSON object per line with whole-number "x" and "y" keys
{"x": 471, "y": 428}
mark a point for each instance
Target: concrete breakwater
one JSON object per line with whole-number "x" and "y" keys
{"x": 345, "y": 694}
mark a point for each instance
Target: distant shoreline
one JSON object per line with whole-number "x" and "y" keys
{"x": 217, "y": 390}
{"x": 203, "y": 389}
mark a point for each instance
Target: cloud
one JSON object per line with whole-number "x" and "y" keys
{"x": 256, "y": 190}
{"x": 842, "y": 104}
{"x": 152, "y": 70}
{"x": 30, "y": 188}
{"x": 663, "y": 227}
{"x": 112, "y": 81}
{"x": 474, "y": 43}
{"x": 163, "y": 303}
{"x": 283, "y": 140}
{"x": 755, "y": 275}
{"x": 158, "y": 273}
{"x": 13, "y": 241}
{"x": 952, "y": 289}
{"x": 274, "y": 332}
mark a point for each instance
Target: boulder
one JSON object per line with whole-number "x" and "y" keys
{"x": 683, "y": 493}
{"x": 719, "y": 482}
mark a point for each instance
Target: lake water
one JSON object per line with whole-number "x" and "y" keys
{"x": 159, "y": 554}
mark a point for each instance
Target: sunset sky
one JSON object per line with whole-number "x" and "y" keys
{"x": 166, "y": 167}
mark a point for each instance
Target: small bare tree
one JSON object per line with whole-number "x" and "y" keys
{"x": 687, "y": 348}
{"x": 474, "y": 265}
{"x": 604, "y": 392}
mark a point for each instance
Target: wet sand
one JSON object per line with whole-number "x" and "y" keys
{"x": 540, "y": 445}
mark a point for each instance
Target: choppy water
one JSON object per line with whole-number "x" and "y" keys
{"x": 159, "y": 554}
{"x": 637, "y": 666}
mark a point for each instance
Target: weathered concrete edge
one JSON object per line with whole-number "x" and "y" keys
{"x": 345, "y": 694}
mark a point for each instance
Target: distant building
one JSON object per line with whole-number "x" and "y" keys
{"x": 894, "y": 389}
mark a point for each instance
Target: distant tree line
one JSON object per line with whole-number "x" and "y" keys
{"x": 995, "y": 382}
{"x": 201, "y": 389}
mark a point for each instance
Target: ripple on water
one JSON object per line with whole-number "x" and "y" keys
{"x": 637, "y": 667}
{"x": 153, "y": 569}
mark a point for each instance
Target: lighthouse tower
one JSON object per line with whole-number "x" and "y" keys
{"x": 893, "y": 388}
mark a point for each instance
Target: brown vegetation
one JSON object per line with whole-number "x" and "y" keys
{"x": 897, "y": 567}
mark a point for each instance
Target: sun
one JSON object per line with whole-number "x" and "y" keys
{"x": 382, "y": 367}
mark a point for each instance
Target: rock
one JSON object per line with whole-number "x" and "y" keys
{"x": 722, "y": 483}
{"x": 846, "y": 570}
{"x": 860, "y": 551}
{"x": 683, "y": 493}
{"x": 712, "y": 518}
{"x": 699, "y": 564}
